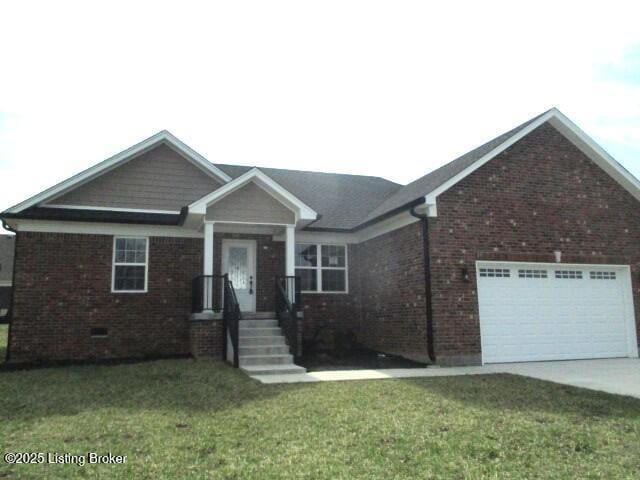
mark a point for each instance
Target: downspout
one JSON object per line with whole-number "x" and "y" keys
{"x": 424, "y": 219}
{"x": 7, "y": 356}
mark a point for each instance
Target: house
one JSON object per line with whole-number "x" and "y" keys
{"x": 6, "y": 273}
{"x": 523, "y": 249}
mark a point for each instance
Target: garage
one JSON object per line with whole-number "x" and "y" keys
{"x": 543, "y": 311}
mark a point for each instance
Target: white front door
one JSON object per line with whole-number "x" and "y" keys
{"x": 239, "y": 262}
{"x": 539, "y": 311}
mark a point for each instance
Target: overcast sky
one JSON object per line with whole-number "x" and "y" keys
{"x": 392, "y": 88}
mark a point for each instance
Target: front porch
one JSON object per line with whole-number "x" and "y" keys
{"x": 247, "y": 299}
{"x": 248, "y": 295}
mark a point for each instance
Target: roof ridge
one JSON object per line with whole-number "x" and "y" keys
{"x": 306, "y": 171}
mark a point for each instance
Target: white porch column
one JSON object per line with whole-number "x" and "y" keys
{"x": 290, "y": 258}
{"x": 207, "y": 268}
{"x": 290, "y": 250}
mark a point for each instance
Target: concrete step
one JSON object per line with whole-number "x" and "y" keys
{"x": 263, "y": 340}
{"x": 276, "y": 359}
{"x": 257, "y": 315}
{"x": 259, "y": 332}
{"x": 270, "y": 323}
{"x": 272, "y": 369}
{"x": 264, "y": 350}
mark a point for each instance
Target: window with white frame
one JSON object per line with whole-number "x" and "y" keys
{"x": 321, "y": 268}
{"x": 130, "y": 264}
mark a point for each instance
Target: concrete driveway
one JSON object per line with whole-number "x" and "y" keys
{"x": 620, "y": 375}
{"x": 615, "y": 375}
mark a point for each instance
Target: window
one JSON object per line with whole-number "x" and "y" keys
{"x": 602, "y": 275}
{"x": 495, "y": 272}
{"x": 570, "y": 274}
{"x": 532, "y": 273}
{"x": 130, "y": 262}
{"x": 322, "y": 268}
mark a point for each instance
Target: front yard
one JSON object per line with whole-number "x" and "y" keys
{"x": 182, "y": 418}
{"x": 4, "y": 331}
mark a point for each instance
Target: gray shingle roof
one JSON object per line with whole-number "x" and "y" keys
{"x": 348, "y": 201}
{"x": 425, "y": 185}
{"x": 7, "y": 247}
{"x": 344, "y": 202}
{"x": 341, "y": 200}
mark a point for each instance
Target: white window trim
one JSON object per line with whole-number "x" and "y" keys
{"x": 318, "y": 268}
{"x": 113, "y": 265}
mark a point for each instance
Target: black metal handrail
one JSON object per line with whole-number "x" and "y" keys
{"x": 287, "y": 307}
{"x": 231, "y": 319}
{"x": 207, "y": 293}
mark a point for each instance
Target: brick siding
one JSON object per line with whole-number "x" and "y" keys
{"x": 330, "y": 313}
{"x": 63, "y": 289}
{"x": 540, "y": 195}
{"x": 392, "y": 292}
{"x": 206, "y": 338}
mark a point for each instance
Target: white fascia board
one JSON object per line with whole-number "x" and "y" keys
{"x": 573, "y": 133}
{"x": 431, "y": 197}
{"x": 110, "y": 209}
{"x": 303, "y": 211}
{"x": 118, "y": 159}
{"x": 596, "y": 153}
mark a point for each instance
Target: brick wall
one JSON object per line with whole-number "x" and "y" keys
{"x": 333, "y": 312}
{"x": 392, "y": 293}
{"x": 206, "y": 338}
{"x": 63, "y": 289}
{"x": 540, "y": 195}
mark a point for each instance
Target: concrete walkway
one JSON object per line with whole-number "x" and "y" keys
{"x": 620, "y": 375}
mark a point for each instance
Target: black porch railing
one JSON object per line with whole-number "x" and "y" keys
{"x": 215, "y": 293}
{"x": 287, "y": 307}
{"x": 207, "y": 293}
{"x": 231, "y": 319}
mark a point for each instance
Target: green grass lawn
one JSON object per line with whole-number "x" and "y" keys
{"x": 200, "y": 419}
{"x": 4, "y": 331}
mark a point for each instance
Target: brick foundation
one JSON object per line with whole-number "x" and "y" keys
{"x": 206, "y": 338}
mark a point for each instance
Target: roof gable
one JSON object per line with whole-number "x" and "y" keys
{"x": 250, "y": 204}
{"x": 159, "y": 179}
{"x": 302, "y": 210}
{"x": 426, "y": 189}
{"x": 162, "y": 138}
{"x": 341, "y": 200}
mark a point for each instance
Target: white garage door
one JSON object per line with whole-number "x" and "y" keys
{"x": 534, "y": 311}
